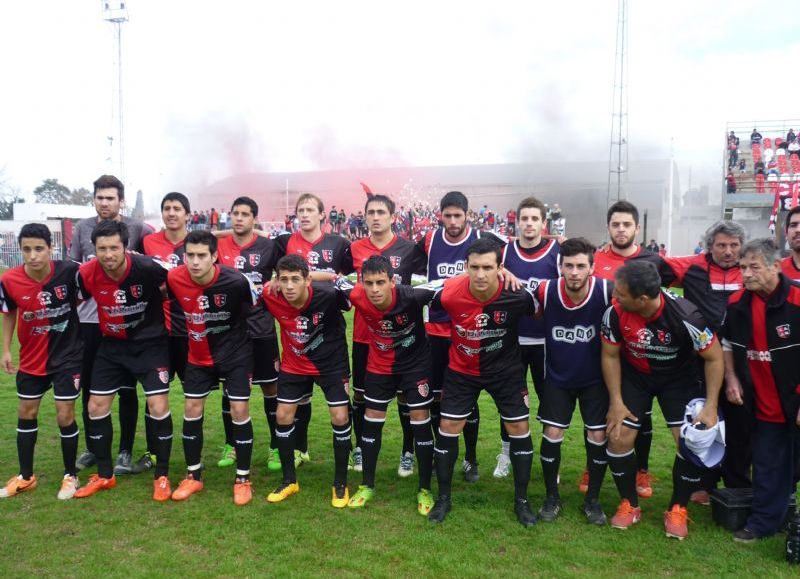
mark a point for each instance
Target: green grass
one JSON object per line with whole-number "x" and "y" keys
{"x": 124, "y": 533}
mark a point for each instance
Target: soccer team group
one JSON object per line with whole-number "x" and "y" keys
{"x": 593, "y": 326}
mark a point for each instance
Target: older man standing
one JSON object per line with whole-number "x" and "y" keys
{"x": 760, "y": 339}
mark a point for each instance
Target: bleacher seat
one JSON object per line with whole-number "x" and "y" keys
{"x": 759, "y": 183}
{"x": 767, "y": 143}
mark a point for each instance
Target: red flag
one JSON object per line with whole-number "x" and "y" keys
{"x": 367, "y": 190}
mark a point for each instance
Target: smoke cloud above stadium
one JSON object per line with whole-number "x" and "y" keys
{"x": 213, "y": 90}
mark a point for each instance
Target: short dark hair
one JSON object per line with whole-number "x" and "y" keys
{"x": 532, "y": 203}
{"x": 483, "y": 246}
{"x": 454, "y": 199}
{"x": 109, "y": 228}
{"x": 623, "y": 207}
{"x": 203, "y": 237}
{"x": 35, "y": 231}
{"x": 292, "y": 263}
{"x": 109, "y": 182}
{"x": 380, "y": 199}
{"x": 179, "y": 197}
{"x": 376, "y": 264}
{"x": 641, "y": 277}
{"x": 246, "y": 201}
{"x": 793, "y": 211}
{"x": 576, "y": 246}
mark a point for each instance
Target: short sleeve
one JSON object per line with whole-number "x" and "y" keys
{"x": 698, "y": 331}
{"x": 281, "y": 242}
{"x": 346, "y": 263}
{"x": 609, "y": 327}
{"x": 6, "y": 302}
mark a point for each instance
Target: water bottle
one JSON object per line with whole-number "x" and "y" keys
{"x": 793, "y": 540}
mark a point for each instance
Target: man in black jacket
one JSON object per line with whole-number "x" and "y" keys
{"x": 761, "y": 337}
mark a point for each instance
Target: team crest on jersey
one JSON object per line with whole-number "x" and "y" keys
{"x": 395, "y": 261}
{"x": 136, "y": 291}
{"x": 254, "y": 259}
{"x": 423, "y": 388}
{"x": 481, "y": 320}
{"x": 500, "y": 317}
{"x": 327, "y": 254}
{"x": 173, "y": 259}
{"x": 163, "y": 375}
{"x": 60, "y": 291}
{"x": 385, "y": 325}
{"x": 664, "y": 336}
{"x": 401, "y": 319}
{"x": 44, "y": 298}
{"x": 220, "y": 300}
{"x": 301, "y": 323}
{"x": 784, "y": 331}
{"x": 317, "y": 317}
{"x": 76, "y": 381}
{"x": 28, "y": 316}
{"x": 120, "y": 298}
{"x": 312, "y": 258}
{"x": 238, "y": 262}
{"x": 644, "y": 336}
{"x": 202, "y": 302}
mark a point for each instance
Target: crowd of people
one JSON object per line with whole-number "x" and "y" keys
{"x": 592, "y": 326}
{"x": 775, "y": 160}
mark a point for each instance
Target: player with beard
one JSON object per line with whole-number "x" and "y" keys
{"x": 398, "y": 361}
{"x": 446, "y": 248}
{"x": 405, "y": 259}
{"x": 254, "y": 256}
{"x": 532, "y": 258}
{"x": 484, "y": 355}
{"x": 217, "y": 303}
{"x": 134, "y": 347}
{"x": 167, "y": 246}
{"x": 43, "y": 294}
{"x": 790, "y": 265}
{"x": 314, "y": 350}
{"x": 572, "y": 310}
{"x": 327, "y": 255}
{"x": 109, "y": 198}
{"x": 622, "y": 219}
{"x": 651, "y": 340}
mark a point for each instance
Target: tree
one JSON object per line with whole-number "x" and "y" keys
{"x": 81, "y": 196}
{"x": 7, "y": 205}
{"x": 51, "y": 191}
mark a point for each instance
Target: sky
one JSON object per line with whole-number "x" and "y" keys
{"x": 213, "y": 89}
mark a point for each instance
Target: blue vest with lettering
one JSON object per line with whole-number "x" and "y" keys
{"x": 446, "y": 260}
{"x": 532, "y": 270}
{"x": 572, "y": 343}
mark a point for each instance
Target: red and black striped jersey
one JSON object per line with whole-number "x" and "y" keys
{"x": 157, "y": 245}
{"x": 406, "y": 259}
{"x": 663, "y": 344}
{"x": 484, "y": 335}
{"x": 216, "y": 314}
{"x": 129, "y": 308}
{"x": 607, "y": 261}
{"x": 47, "y": 318}
{"x": 256, "y": 260}
{"x": 396, "y": 336}
{"x": 329, "y": 252}
{"x": 313, "y": 336}
{"x": 789, "y": 268}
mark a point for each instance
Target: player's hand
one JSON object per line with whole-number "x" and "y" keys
{"x": 8, "y": 364}
{"x": 271, "y": 288}
{"x": 733, "y": 391}
{"x": 708, "y": 415}
{"x": 509, "y": 280}
{"x": 617, "y": 413}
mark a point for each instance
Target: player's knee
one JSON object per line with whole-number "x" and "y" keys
{"x": 517, "y": 428}
{"x": 285, "y": 414}
{"x": 28, "y": 409}
{"x": 339, "y": 415}
{"x": 240, "y": 411}
{"x": 553, "y": 432}
{"x": 158, "y": 405}
{"x": 99, "y": 405}
{"x": 624, "y": 442}
{"x": 194, "y": 407}
{"x": 65, "y": 413}
{"x": 419, "y": 414}
{"x": 596, "y": 436}
{"x": 451, "y": 426}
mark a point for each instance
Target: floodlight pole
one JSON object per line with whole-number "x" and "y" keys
{"x": 116, "y": 13}
{"x": 618, "y": 145}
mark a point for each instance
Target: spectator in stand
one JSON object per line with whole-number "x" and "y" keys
{"x": 223, "y": 219}
{"x": 287, "y": 223}
{"x": 731, "y": 182}
{"x": 662, "y": 250}
{"x": 733, "y": 139}
{"x": 698, "y": 249}
{"x": 333, "y": 219}
{"x": 511, "y": 220}
{"x": 790, "y": 136}
{"x": 733, "y": 154}
{"x": 652, "y": 246}
{"x": 340, "y": 222}
{"x": 742, "y": 166}
{"x": 755, "y": 137}
{"x": 202, "y": 219}
{"x": 195, "y": 222}
{"x": 768, "y": 155}
{"x": 772, "y": 167}
{"x": 352, "y": 226}
{"x": 794, "y": 146}
{"x": 759, "y": 167}
{"x": 214, "y": 219}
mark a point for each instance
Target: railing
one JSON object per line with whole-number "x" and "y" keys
{"x": 11, "y": 256}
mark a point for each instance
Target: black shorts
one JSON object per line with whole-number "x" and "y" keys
{"x": 533, "y": 359}
{"x": 295, "y": 388}
{"x": 508, "y": 390}
{"x": 178, "y": 356}
{"x": 66, "y": 385}
{"x": 120, "y": 363}
{"x": 440, "y": 360}
{"x": 673, "y": 396}
{"x": 360, "y": 354}
{"x": 201, "y": 380}
{"x": 91, "y": 336}
{"x": 266, "y": 360}
{"x": 558, "y": 404}
{"x": 381, "y": 389}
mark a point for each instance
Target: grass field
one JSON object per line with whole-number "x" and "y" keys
{"x": 123, "y": 533}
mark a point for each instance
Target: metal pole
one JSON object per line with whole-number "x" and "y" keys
{"x": 119, "y": 93}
